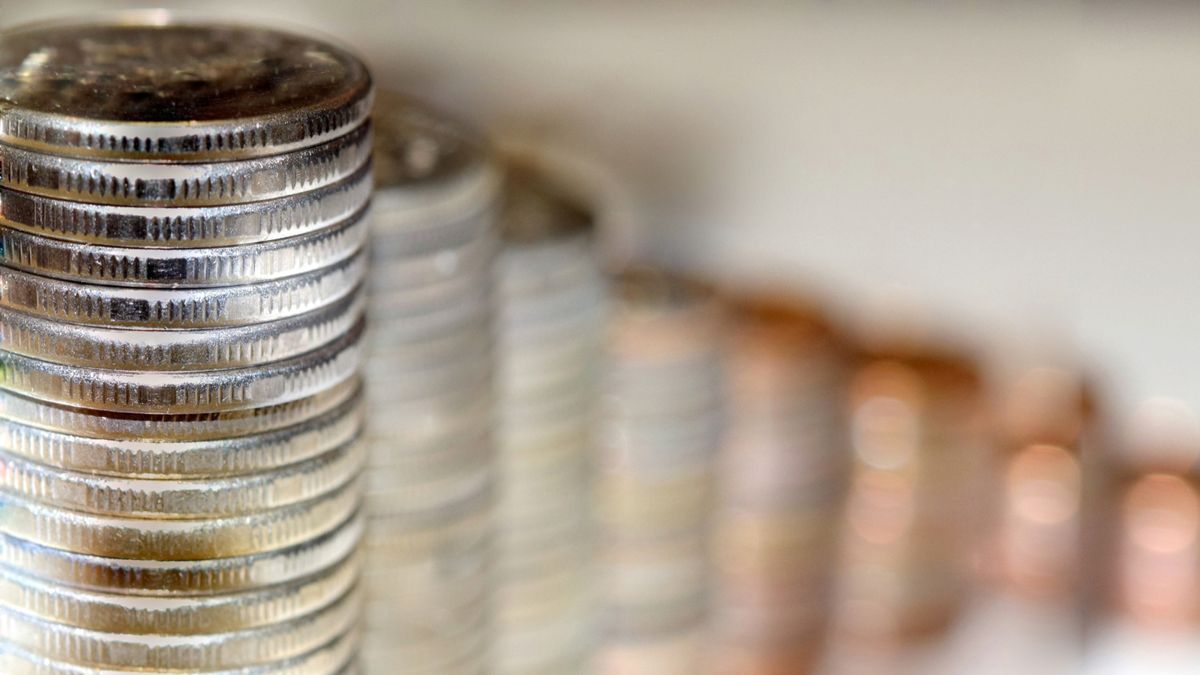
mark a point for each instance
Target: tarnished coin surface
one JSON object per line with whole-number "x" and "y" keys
{"x": 151, "y": 86}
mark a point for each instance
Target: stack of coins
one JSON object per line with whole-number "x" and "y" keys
{"x": 782, "y": 481}
{"x": 1153, "y": 512}
{"x": 661, "y": 429}
{"x": 179, "y": 317}
{"x": 431, "y": 477}
{"x": 1047, "y": 422}
{"x": 917, "y": 438}
{"x": 551, "y": 314}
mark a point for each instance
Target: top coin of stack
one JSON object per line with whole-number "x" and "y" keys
{"x": 181, "y": 239}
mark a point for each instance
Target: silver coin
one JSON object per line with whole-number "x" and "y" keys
{"x": 151, "y": 578}
{"x": 173, "y": 653}
{"x": 208, "y": 426}
{"x": 181, "y": 267}
{"x": 118, "y": 613}
{"x": 184, "y": 308}
{"x": 335, "y": 657}
{"x": 154, "y": 539}
{"x": 420, "y": 152}
{"x": 171, "y": 499}
{"x": 187, "y": 227}
{"x": 185, "y": 392}
{"x": 121, "y": 183}
{"x": 189, "y": 460}
{"x": 153, "y": 86}
{"x": 162, "y": 350}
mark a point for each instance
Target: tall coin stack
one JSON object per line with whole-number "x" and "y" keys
{"x": 431, "y": 477}
{"x": 782, "y": 482}
{"x": 661, "y": 431}
{"x": 1048, "y": 427}
{"x": 551, "y": 317}
{"x": 916, "y": 435}
{"x": 179, "y": 316}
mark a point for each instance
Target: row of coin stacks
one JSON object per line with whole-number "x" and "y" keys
{"x": 752, "y": 471}
{"x": 180, "y": 316}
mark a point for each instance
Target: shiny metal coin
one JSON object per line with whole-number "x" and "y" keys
{"x": 118, "y": 613}
{"x": 183, "y": 308}
{"x": 187, "y": 227}
{"x": 177, "y": 499}
{"x": 163, "y": 350}
{"x": 154, "y": 539}
{"x": 154, "y": 578}
{"x": 185, "y": 392}
{"x": 159, "y": 653}
{"x": 122, "y": 183}
{"x": 207, "y": 426}
{"x": 181, "y": 267}
{"x": 335, "y": 657}
{"x": 152, "y": 86}
{"x": 186, "y": 460}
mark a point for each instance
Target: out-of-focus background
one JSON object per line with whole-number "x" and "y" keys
{"x": 1023, "y": 175}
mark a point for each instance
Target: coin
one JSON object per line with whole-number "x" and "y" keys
{"x": 167, "y": 499}
{"x": 136, "y": 87}
{"x": 188, "y": 227}
{"x": 179, "y": 267}
{"x": 123, "y": 183}
{"x": 159, "y": 350}
{"x": 180, "y": 308}
{"x": 186, "y": 427}
{"x": 157, "y": 539}
{"x": 112, "y": 612}
{"x": 150, "y": 578}
{"x": 214, "y": 651}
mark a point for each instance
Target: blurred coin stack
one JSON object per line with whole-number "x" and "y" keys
{"x": 782, "y": 481}
{"x": 551, "y": 319}
{"x": 179, "y": 318}
{"x": 431, "y": 475}
{"x": 916, "y": 436}
{"x": 1047, "y": 426}
{"x": 662, "y": 426}
{"x": 1154, "y": 514}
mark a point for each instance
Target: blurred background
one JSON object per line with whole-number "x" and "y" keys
{"x": 1020, "y": 176}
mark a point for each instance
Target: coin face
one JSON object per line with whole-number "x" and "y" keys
{"x": 155, "y": 87}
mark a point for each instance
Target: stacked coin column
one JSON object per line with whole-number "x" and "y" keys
{"x": 661, "y": 431}
{"x": 179, "y": 319}
{"x": 431, "y": 477}
{"x": 1048, "y": 426}
{"x": 551, "y": 318}
{"x": 782, "y": 482}
{"x": 917, "y": 436}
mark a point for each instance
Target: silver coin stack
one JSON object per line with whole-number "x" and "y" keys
{"x": 431, "y": 477}
{"x": 180, "y": 313}
{"x": 662, "y": 426}
{"x": 782, "y": 479}
{"x": 551, "y": 314}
